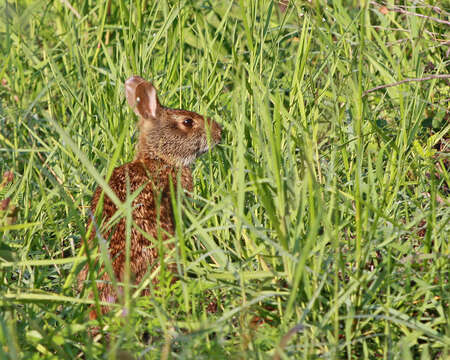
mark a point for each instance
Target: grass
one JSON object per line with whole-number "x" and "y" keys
{"x": 324, "y": 212}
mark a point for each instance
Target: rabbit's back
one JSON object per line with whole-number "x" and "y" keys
{"x": 151, "y": 210}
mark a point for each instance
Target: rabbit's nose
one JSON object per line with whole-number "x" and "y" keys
{"x": 216, "y": 130}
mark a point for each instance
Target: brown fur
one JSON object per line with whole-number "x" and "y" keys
{"x": 166, "y": 148}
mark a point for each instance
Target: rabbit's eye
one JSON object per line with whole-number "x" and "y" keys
{"x": 188, "y": 122}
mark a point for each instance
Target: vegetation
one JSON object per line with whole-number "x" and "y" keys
{"x": 317, "y": 229}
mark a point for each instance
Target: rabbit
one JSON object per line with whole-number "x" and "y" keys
{"x": 169, "y": 141}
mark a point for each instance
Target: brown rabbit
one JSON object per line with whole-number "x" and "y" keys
{"x": 169, "y": 141}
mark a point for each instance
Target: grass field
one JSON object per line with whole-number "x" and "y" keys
{"x": 318, "y": 227}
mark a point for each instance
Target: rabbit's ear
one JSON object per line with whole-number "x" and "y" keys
{"x": 141, "y": 96}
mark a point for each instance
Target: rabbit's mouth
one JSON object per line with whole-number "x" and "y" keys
{"x": 204, "y": 147}
{"x": 203, "y": 150}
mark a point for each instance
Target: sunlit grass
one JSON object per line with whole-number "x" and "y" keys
{"x": 318, "y": 228}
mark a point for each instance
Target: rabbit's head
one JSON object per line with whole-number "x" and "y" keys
{"x": 176, "y": 136}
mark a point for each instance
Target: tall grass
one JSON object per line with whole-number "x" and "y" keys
{"x": 317, "y": 229}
